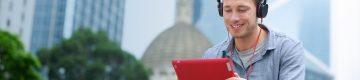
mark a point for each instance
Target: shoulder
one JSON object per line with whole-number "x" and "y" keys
{"x": 290, "y": 54}
{"x": 285, "y": 46}
{"x": 286, "y": 43}
{"x": 285, "y": 40}
{"x": 278, "y": 40}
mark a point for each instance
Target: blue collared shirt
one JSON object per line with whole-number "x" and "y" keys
{"x": 282, "y": 59}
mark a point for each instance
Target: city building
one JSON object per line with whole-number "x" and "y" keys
{"x": 48, "y": 24}
{"x": 181, "y": 41}
{"x": 17, "y": 17}
{"x": 55, "y": 20}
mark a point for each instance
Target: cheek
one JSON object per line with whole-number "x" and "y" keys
{"x": 249, "y": 18}
{"x": 252, "y": 15}
{"x": 227, "y": 21}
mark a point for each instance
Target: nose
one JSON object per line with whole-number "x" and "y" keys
{"x": 234, "y": 17}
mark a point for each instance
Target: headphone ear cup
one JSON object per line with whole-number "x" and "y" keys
{"x": 220, "y": 9}
{"x": 262, "y": 10}
{"x": 258, "y": 11}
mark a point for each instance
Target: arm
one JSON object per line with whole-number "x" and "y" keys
{"x": 292, "y": 63}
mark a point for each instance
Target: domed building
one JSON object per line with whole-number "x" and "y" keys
{"x": 181, "y": 41}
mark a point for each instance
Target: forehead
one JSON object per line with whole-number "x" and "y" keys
{"x": 231, "y": 3}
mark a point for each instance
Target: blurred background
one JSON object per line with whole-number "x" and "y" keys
{"x": 137, "y": 39}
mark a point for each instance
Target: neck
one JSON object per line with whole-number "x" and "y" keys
{"x": 249, "y": 42}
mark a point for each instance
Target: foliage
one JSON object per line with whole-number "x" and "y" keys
{"x": 91, "y": 56}
{"x": 15, "y": 63}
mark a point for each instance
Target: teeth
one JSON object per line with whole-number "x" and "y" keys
{"x": 236, "y": 26}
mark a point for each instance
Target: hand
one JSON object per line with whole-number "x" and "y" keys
{"x": 236, "y": 77}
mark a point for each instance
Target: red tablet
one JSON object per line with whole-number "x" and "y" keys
{"x": 203, "y": 69}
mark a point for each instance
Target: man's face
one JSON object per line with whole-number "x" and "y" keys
{"x": 240, "y": 17}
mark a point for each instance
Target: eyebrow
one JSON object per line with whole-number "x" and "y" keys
{"x": 239, "y": 6}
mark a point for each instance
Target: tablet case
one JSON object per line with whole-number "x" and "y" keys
{"x": 203, "y": 69}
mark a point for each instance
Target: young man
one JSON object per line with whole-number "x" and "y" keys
{"x": 257, "y": 52}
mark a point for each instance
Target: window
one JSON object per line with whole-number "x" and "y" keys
{"x": 8, "y": 23}
{"x": 22, "y": 17}
{"x": 11, "y": 6}
{"x": 24, "y": 2}
{"x": 21, "y": 32}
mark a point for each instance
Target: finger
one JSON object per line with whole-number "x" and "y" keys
{"x": 236, "y": 74}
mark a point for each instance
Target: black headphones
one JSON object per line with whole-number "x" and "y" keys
{"x": 262, "y": 8}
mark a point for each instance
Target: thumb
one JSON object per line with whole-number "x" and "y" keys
{"x": 236, "y": 74}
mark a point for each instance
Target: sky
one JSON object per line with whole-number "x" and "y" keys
{"x": 144, "y": 20}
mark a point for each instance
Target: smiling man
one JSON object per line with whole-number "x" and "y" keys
{"x": 257, "y": 52}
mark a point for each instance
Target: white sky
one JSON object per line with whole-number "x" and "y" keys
{"x": 144, "y": 20}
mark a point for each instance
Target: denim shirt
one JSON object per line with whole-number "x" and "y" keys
{"x": 282, "y": 59}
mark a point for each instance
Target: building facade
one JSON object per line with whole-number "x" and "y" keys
{"x": 16, "y": 17}
{"x": 48, "y": 24}
{"x": 180, "y": 41}
{"x": 57, "y": 19}
{"x": 107, "y": 15}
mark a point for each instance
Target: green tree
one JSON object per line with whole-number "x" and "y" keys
{"x": 91, "y": 56}
{"x": 15, "y": 63}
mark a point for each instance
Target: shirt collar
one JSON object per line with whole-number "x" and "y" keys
{"x": 270, "y": 41}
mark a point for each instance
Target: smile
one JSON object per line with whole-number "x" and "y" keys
{"x": 237, "y": 25}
